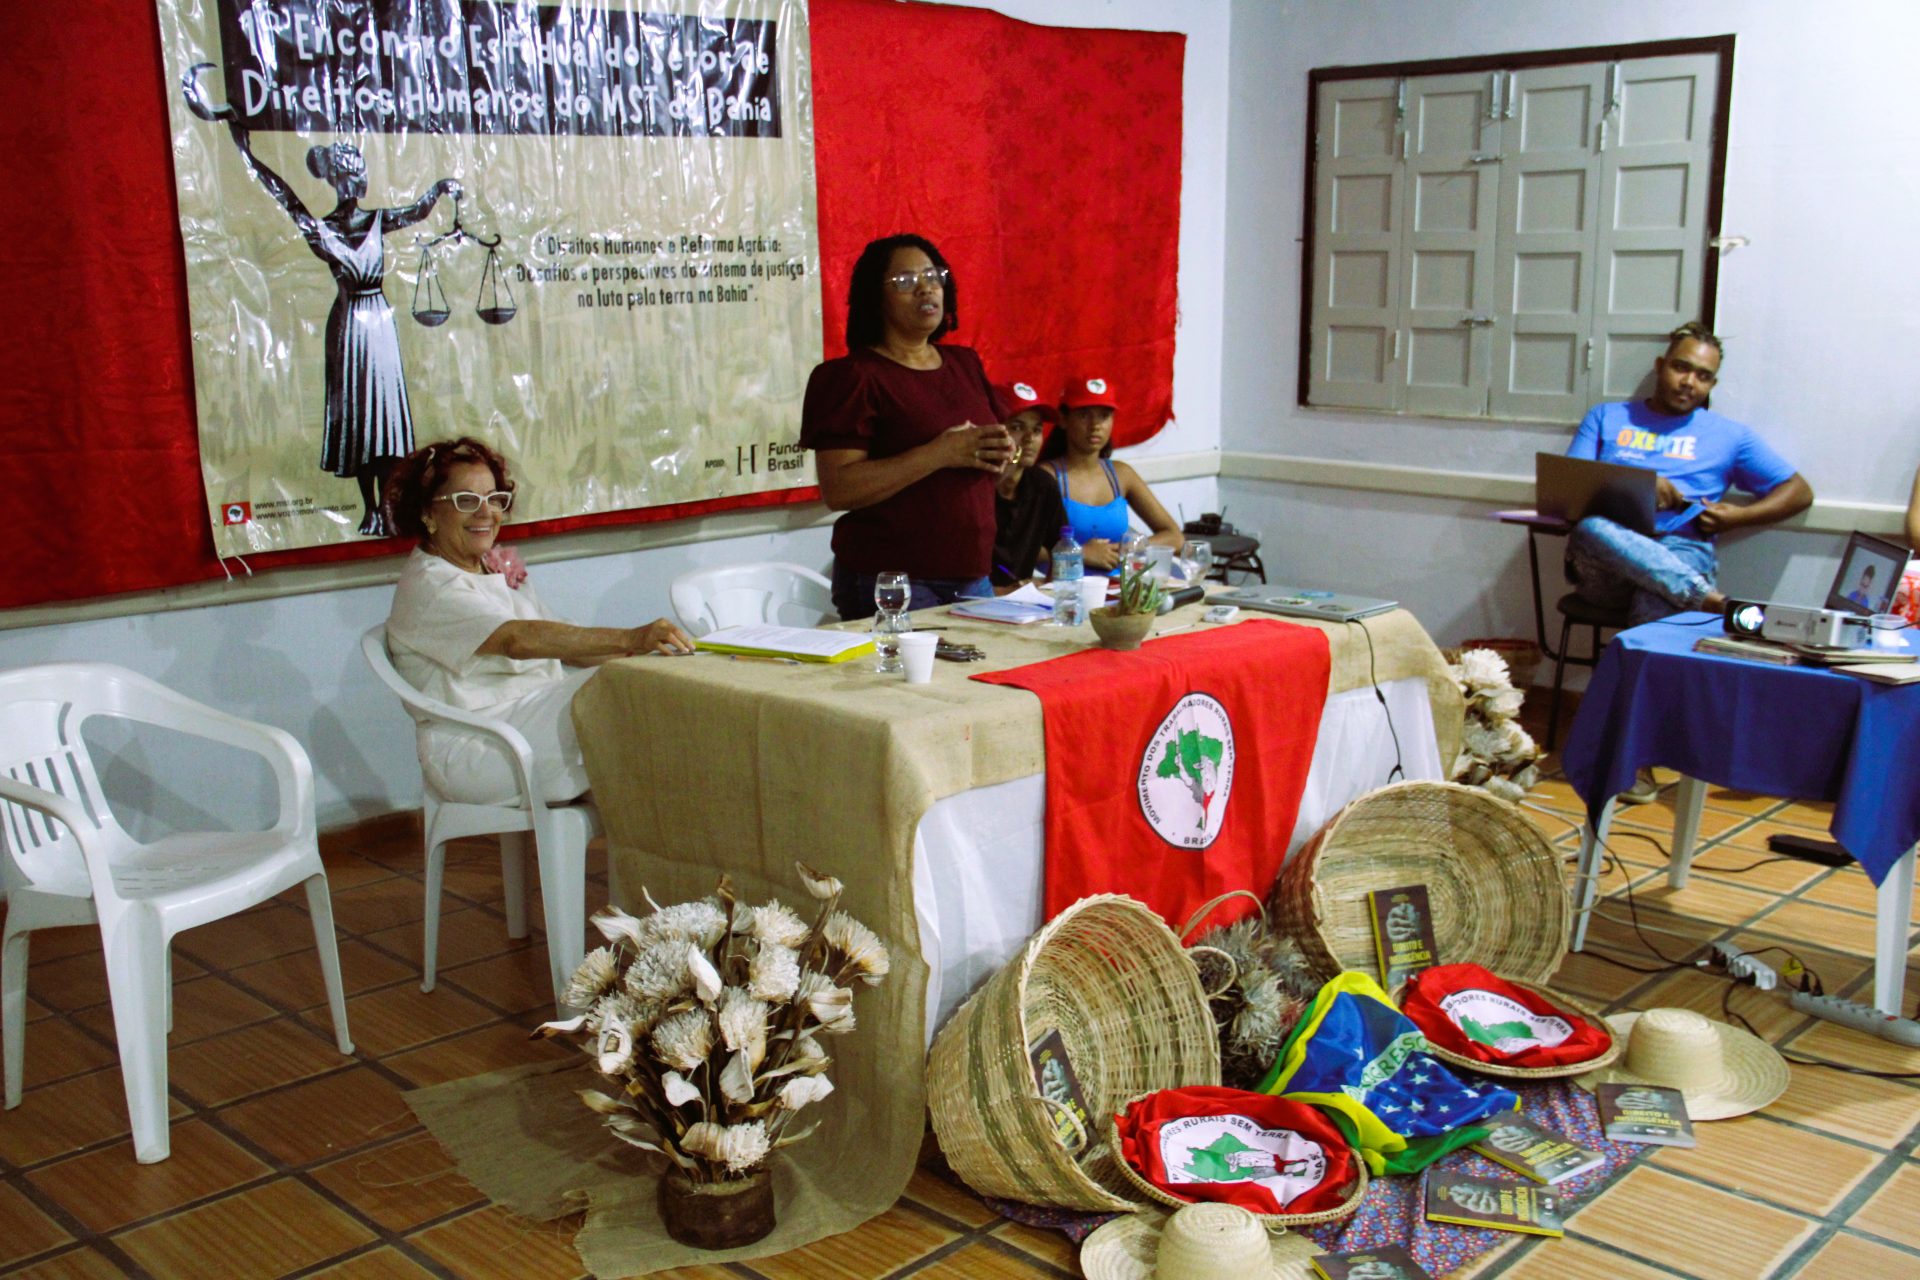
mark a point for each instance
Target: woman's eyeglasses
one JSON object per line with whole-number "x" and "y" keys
{"x": 908, "y": 281}
{"x": 466, "y": 502}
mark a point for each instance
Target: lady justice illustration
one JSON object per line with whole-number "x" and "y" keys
{"x": 368, "y": 422}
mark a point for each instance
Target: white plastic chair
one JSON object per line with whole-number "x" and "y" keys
{"x": 560, "y": 833}
{"x": 68, "y": 862}
{"x": 793, "y": 595}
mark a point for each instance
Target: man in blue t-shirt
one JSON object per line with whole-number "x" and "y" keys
{"x": 1699, "y": 455}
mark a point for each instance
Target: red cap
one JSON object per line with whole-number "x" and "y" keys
{"x": 1020, "y": 397}
{"x": 1088, "y": 393}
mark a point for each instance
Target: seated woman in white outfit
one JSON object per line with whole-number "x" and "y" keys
{"x": 468, "y": 633}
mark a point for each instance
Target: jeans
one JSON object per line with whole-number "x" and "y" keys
{"x": 1616, "y": 568}
{"x": 853, "y": 592}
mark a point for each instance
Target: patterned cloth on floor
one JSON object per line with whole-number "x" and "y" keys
{"x": 1394, "y": 1209}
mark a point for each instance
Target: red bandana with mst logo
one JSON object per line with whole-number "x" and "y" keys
{"x": 1174, "y": 772}
{"x": 1467, "y": 1010}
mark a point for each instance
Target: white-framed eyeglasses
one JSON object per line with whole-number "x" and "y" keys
{"x": 908, "y": 281}
{"x": 466, "y": 502}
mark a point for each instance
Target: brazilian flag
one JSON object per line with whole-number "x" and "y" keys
{"x": 1358, "y": 1057}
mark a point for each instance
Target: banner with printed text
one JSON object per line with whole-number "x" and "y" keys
{"x": 583, "y": 231}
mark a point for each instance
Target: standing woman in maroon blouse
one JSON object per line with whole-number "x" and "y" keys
{"x": 907, "y": 436}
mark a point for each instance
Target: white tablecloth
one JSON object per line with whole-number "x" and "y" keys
{"x": 978, "y": 857}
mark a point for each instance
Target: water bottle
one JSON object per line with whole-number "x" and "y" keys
{"x": 1067, "y": 570}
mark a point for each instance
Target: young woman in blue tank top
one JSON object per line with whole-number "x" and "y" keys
{"x": 1096, "y": 491}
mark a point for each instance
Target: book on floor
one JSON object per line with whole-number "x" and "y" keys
{"x": 1500, "y": 1203}
{"x": 1402, "y": 933}
{"x": 1647, "y": 1113}
{"x": 1535, "y": 1151}
{"x": 1388, "y": 1262}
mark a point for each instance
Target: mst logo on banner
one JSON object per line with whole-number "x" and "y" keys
{"x": 1186, "y": 772}
{"x": 584, "y": 233}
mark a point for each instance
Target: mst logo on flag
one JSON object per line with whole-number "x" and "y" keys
{"x": 1235, "y": 1149}
{"x": 1186, "y": 772}
{"x": 1143, "y": 756}
{"x": 1503, "y": 1024}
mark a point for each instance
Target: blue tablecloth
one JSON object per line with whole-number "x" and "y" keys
{"x": 1799, "y": 732}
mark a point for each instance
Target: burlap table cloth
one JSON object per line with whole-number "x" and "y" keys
{"x": 705, "y": 764}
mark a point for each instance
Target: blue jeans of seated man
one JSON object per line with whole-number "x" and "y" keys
{"x": 1616, "y": 568}
{"x": 853, "y": 592}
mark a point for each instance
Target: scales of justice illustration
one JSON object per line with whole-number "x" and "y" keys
{"x": 493, "y": 302}
{"x": 368, "y": 421}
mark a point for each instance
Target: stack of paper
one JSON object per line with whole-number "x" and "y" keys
{"x": 1019, "y": 608}
{"x": 803, "y": 644}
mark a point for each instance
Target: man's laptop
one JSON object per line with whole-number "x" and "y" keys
{"x": 1575, "y": 488}
{"x": 1303, "y": 602}
{"x": 1869, "y": 575}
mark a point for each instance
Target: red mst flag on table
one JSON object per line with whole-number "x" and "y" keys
{"x": 1174, "y": 772}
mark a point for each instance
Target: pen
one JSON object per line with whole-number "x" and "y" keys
{"x": 1170, "y": 630}
{"x": 755, "y": 657}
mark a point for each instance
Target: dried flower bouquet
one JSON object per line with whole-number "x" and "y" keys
{"x": 709, "y": 1015}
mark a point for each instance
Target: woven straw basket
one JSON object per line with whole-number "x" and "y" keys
{"x": 1495, "y": 886}
{"x": 1602, "y": 1059}
{"x": 1110, "y": 976}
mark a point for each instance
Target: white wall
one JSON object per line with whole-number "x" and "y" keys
{"x": 1823, "y": 176}
{"x": 294, "y": 660}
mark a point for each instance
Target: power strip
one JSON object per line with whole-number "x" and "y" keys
{"x": 1740, "y": 966}
{"x": 1861, "y": 1017}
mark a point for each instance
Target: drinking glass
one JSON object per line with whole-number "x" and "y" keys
{"x": 1199, "y": 554}
{"x": 891, "y": 593}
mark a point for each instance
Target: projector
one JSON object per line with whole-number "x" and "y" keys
{"x": 1798, "y": 624}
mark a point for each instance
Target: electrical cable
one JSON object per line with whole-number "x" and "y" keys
{"x": 1810, "y": 981}
{"x": 1726, "y": 1008}
{"x": 1398, "y": 773}
{"x": 1701, "y": 866}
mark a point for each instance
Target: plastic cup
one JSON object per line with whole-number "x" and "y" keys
{"x": 916, "y": 653}
{"x": 1093, "y": 594}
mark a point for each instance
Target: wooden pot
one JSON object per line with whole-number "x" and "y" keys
{"x": 717, "y": 1215}
{"x": 1121, "y": 630}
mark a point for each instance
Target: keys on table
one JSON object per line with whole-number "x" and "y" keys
{"x": 952, "y": 652}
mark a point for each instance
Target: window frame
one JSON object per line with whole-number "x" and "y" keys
{"x": 1721, "y": 47}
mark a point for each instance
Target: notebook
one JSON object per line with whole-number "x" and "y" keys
{"x": 1575, "y": 488}
{"x": 1303, "y": 602}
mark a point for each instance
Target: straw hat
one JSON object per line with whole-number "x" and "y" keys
{"x": 1199, "y": 1242}
{"x": 1721, "y": 1070}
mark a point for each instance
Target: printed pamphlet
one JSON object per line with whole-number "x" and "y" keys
{"x": 1402, "y": 933}
{"x": 1057, "y": 1081}
{"x": 1389, "y": 1262}
{"x": 1500, "y": 1203}
{"x": 1648, "y": 1113}
{"x": 1535, "y": 1151}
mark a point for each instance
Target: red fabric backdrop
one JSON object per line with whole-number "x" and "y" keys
{"x": 1044, "y": 161}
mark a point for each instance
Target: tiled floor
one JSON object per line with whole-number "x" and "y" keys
{"x": 289, "y": 1160}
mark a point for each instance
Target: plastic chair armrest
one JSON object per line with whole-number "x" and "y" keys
{"x": 506, "y": 735}
{"x": 292, "y": 769}
{"x": 420, "y": 704}
{"x": 69, "y": 815}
